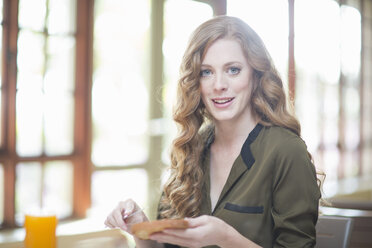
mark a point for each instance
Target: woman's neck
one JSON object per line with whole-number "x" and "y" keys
{"x": 228, "y": 133}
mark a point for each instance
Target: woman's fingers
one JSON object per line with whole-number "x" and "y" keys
{"x": 130, "y": 207}
{"x": 111, "y": 222}
{"x": 108, "y": 222}
{"x": 163, "y": 237}
{"x": 197, "y": 221}
{"x": 116, "y": 217}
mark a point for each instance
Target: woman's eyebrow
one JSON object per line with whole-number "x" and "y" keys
{"x": 232, "y": 63}
{"x": 226, "y": 64}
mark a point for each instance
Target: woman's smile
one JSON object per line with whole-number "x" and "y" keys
{"x": 222, "y": 102}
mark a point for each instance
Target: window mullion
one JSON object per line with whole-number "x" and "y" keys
{"x": 82, "y": 120}
{"x": 10, "y": 31}
{"x": 155, "y": 107}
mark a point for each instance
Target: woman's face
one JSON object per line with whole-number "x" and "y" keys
{"x": 225, "y": 81}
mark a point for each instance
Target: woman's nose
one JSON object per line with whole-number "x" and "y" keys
{"x": 220, "y": 83}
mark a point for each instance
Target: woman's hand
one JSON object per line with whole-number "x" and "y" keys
{"x": 203, "y": 231}
{"x": 118, "y": 217}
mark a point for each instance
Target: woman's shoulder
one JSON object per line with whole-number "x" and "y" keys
{"x": 283, "y": 140}
{"x": 281, "y": 134}
{"x": 287, "y": 149}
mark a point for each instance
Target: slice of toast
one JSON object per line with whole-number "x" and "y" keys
{"x": 144, "y": 229}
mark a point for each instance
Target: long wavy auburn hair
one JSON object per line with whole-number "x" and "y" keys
{"x": 183, "y": 190}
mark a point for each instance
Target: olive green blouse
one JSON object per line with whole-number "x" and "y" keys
{"x": 271, "y": 195}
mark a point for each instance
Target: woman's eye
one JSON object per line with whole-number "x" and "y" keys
{"x": 205, "y": 73}
{"x": 234, "y": 70}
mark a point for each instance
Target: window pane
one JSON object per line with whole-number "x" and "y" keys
{"x": 32, "y": 14}
{"x": 351, "y": 131}
{"x": 30, "y": 61}
{"x": 274, "y": 33}
{"x": 59, "y": 102}
{"x": 329, "y": 110}
{"x": 58, "y": 188}
{"x": 309, "y": 47}
{"x": 176, "y": 35}
{"x": 28, "y": 188}
{"x": 350, "y": 41}
{"x": 29, "y": 104}
{"x": 58, "y": 124}
{"x": 352, "y": 115}
{"x": 1, "y": 194}
{"x": 120, "y": 94}
{"x": 331, "y": 162}
{"x": 44, "y": 187}
{"x": 61, "y": 18}
{"x": 110, "y": 187}
{"x": 367, "y": 160}
{"x": 60, "y": 72}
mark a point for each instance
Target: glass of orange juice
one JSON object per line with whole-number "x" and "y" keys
{"x": 40, "y": 230}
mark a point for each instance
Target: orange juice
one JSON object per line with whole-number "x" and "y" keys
{"x": 40, "y": 231}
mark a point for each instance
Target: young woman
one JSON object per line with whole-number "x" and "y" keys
{"x": 240, "y": 172}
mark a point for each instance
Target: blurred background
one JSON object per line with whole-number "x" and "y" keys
{"x": 87, "y": 88}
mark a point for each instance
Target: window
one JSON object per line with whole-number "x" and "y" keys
{"x": 120, "y": 77}
{"x": 44, "y": 103}
{"x": 37, "y": 162}
{"x": 328, "y": 51}
{"x": 120, "y": 102}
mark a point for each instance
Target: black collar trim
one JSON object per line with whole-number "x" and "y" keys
{"x": 246, "y": 152}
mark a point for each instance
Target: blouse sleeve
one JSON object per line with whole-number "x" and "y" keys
{"x": 295, "y": 196}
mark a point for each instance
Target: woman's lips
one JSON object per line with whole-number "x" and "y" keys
{"x": 222, "y": 102}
